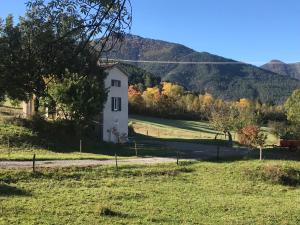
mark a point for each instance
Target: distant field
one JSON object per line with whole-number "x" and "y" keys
{"x": 198, "y": 193}
{"x": 166, "y": 128}
{"x": 180, "y": 129}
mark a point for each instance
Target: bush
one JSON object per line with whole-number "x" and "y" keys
{"x": 38, "y": 132}
{"x": 279, "y": 129}
{"x": 277, "y": 174}
{"x": 17, "y": 136}
{"x": 284, "y": 130}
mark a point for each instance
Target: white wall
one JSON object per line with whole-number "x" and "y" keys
{"x": 117, "y": 119}
{"x": 28, "y": 108}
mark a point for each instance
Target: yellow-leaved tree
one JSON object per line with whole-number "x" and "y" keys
{"x": 244, "y": 103}
{"x": 172, "y": 90}
{"x": 151, "y": 96}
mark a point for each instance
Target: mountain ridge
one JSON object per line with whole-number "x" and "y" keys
{"x": 226, "y": 81}
{"x": 286, "y": 69}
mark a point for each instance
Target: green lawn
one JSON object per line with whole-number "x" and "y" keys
{"x": 198, "y": 193}
{"x": 101, "y": 151}
{"x": 167, "y": 128}
{"x": 59, "y": 144}
{"x": 43, "y": 154}
{"x": 181, "y": 130}
{"x": 18, "y": 142}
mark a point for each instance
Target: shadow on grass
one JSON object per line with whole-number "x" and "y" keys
{"x": 181, "y": 124}
{"x": 142, "y": 137}
{"x": 7, "y": 190}
{"x": 63, "y": 137}
{"x": 107, "y": 212}
{"x": 268, "y": 154}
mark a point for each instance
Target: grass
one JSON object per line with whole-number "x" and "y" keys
{"x": 182, "y": 130}
{"x": 193, "y": 193}
{"x": 55, "y": 140}
{"x": 21, "y": 154}
{"x": 20, "y": 139}
{"x": 100, "y": 152}
{"x": 172, "y": 129}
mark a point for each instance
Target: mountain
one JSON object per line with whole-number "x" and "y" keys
{"x": 277, "y": 66}
{"x": 226, "y": 78}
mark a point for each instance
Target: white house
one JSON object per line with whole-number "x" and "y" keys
{"x": 114, "y": 126}
{"x": 113, "y": 123}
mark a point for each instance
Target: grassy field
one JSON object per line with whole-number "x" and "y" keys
{"x": 241, "y": 192}
{"x": 181, "y": 130}
{"x": 102, "y": 151}
{"x": 20, "y": 140}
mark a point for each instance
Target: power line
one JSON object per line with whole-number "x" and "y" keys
{"x": 188, "y": 62}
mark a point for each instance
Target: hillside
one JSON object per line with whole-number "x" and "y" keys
{"x": 228, "y": 81}
{"x": 276, "y": 66}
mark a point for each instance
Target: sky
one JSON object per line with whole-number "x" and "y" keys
{"x": 252, "y": 31}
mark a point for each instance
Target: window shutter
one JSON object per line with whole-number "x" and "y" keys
{"x": 119, "y": 83}
{"x": 120, "y": 103}
{"x": 112, "y": 104}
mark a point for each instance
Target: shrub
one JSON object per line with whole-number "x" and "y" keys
{"x": 277, "y": 174}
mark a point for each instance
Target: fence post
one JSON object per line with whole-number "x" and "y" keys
{"x": 135, "y": 148}
{"x": 80, "y": 145}
{"x": 33, "y": 163}
{"x": 147, "y": 133}
{"x": 8, "y": 145}
{"x": 177, "y": 158}
{"x": 116, "y": 158}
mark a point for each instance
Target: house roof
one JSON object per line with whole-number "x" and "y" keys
{"x": 109, "y": 66}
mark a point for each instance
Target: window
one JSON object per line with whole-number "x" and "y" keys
{"x": 115, "y": 83}
{"x": 116, "y": 104}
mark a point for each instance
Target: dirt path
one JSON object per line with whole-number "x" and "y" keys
{"x": 83, "y": 163}
{"x": 190, "y": 151}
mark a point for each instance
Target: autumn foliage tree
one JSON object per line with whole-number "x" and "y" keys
{"x": 135, "y": 99}
{"x": 173, "y": 101}
{"x": 151, "y": 97}
{"x": 253, "y": 137}
{"x": 244, "y": 103}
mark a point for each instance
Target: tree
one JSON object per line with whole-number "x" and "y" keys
{"x": 13, "y": 81}
{"x": 55, "y": 36}
{"x": 151, "y": 97}
{"x": 223, "y": 120}
{"x": 207, "y": 99}
{"x": 252, "y": 136}
{"x": 135, "y": 99}
{"x": 78, "y": 98}
{"x": 279, "y": 129}
{"x": 172, "y": 90}
{"x": 229, "y": 118}
{"x": 244, "y": 103}
{"x": 292, "y": 107}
